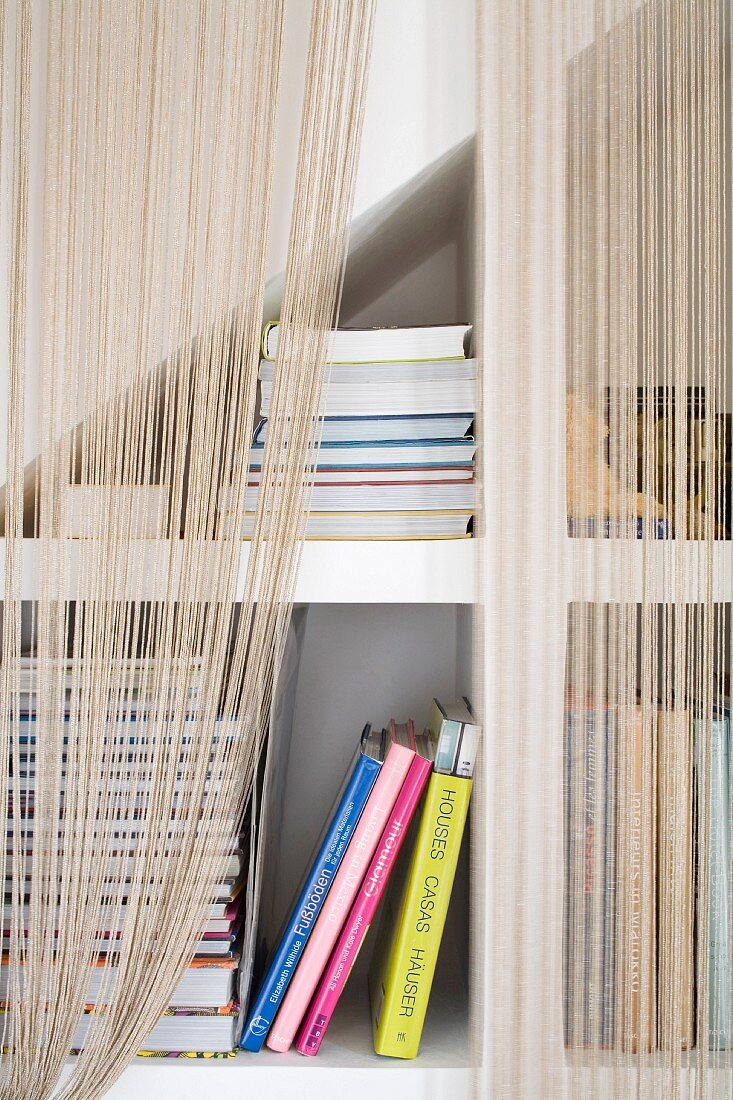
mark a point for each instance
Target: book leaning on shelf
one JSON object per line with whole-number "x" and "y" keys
{"x": 415, "y": 909}
{"x": 336, "y": 973}
{"x": 372, "y": 764}
{"x": 330, "y": 919}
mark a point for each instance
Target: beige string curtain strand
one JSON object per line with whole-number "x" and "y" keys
{"x": 132, "y": 365}
{"x": 606, "y": 334}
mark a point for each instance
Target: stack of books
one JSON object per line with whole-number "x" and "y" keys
{"x": 203, "y": 1014}
{"x": 394, "y": 771}
{"x": 396, "y": 460}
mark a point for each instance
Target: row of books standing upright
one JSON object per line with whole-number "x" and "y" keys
{"x": 648, "y": 953}
{"x": 203, "y": 1014}
{"x": 396, "y": 459}
{"x": 392, "y": 839}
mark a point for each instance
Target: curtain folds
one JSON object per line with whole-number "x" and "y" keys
{"x": 133, "y": 313}
{"x": 606, "y": 138}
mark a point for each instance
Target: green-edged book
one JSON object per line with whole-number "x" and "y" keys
{"x": 413, "y": 916}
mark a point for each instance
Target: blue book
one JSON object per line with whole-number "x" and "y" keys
{"x": 345, "y": 429}
{"x": 720, "y": 969}
{"x": 360, "y": 780}
{"x": 387, "y": 453}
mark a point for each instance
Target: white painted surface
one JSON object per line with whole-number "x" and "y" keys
{"x": 358, "y": 664}
{"x": 346, "y": 1066}
{"x": 420, "y": 100}
{"x": 429, "y": 571}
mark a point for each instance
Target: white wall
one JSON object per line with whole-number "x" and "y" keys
{"x": 360, "y": 663}
{"x": 420, "y": 100}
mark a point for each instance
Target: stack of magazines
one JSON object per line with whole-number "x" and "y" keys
{"x": 396, "y": 458}
{"x": 203, "y": 1013}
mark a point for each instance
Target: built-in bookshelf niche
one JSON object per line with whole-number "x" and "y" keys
{"x": 354, "y": 664}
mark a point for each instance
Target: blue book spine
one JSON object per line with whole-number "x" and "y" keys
{"x": 306, "y": 909}
{"x": 719, "y": 946}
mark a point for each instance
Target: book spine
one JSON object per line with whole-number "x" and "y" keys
{"x": 341, "y": 896}
{"x": 568, "y": 893}
{"x": 719, "y": 947}
{"x": 676, "y": 929}
{"x": 587, "y": 920}
{"x": 323, "y": 872}
{"x": 400, "y": 981}
{"x": 608, "y": 993}
{"x": 635, "y": 1016}
{"x": 265, "y": 340}
{"x": 347, "y": 947}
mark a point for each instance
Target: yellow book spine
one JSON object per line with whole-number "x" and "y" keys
{"x": 402, "y": 972}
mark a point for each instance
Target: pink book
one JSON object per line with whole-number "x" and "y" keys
{"x": 340, "y": 897}
{"x": 344, "y": 954}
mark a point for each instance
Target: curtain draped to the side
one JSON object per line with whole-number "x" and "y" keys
{"x": 606, "y": 330}
{"x": 136, "y": 155}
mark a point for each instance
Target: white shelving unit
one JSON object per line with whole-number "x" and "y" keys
{"x": 345, "y": 1066}
{"x": 390, "y": 624}
{"x": 430, "y": 571}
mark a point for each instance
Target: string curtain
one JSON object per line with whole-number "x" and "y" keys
{"x": 605, "y": 329}
{"x": 145, "y": 132}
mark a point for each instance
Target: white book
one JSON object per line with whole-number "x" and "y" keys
{"x": 206, "y": 985}
{"x": 380, "y": 344}
{"x": 380, "y": 525}
{"x": 116, "y": 864}
{"x": 182, "y": 1031}
{"x": 218, "y": 920}
{"x": 396, "y": 398}
{"x": 385, "y": 498}
{"x": 388, "y": 374}
{"x": 215, "y": 949}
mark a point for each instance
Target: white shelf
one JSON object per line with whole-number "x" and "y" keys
{"x": 429, "y": 571}
{"x": 659, "y": 570}
{"x": 345, "y": 1066}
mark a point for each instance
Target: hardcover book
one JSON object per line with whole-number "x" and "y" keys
{"x": 413, "y": 918}
{"x": 676, "y": 999}
{"x": 331, "y": 919}
{"x": 367, "y": 345}
{"x": 347, "y": 947}
{"x": 588, "y": 925}
{"x": 320, "y": 878}
{"x": 636, "y": 903}
{"x": 720, "y": 968}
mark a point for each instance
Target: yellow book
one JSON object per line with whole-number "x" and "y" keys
{"x": 402, "y": 969}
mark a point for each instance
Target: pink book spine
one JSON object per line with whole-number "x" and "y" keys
{"x": 349, "y": 943}
{"x": 340, "y": 897}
